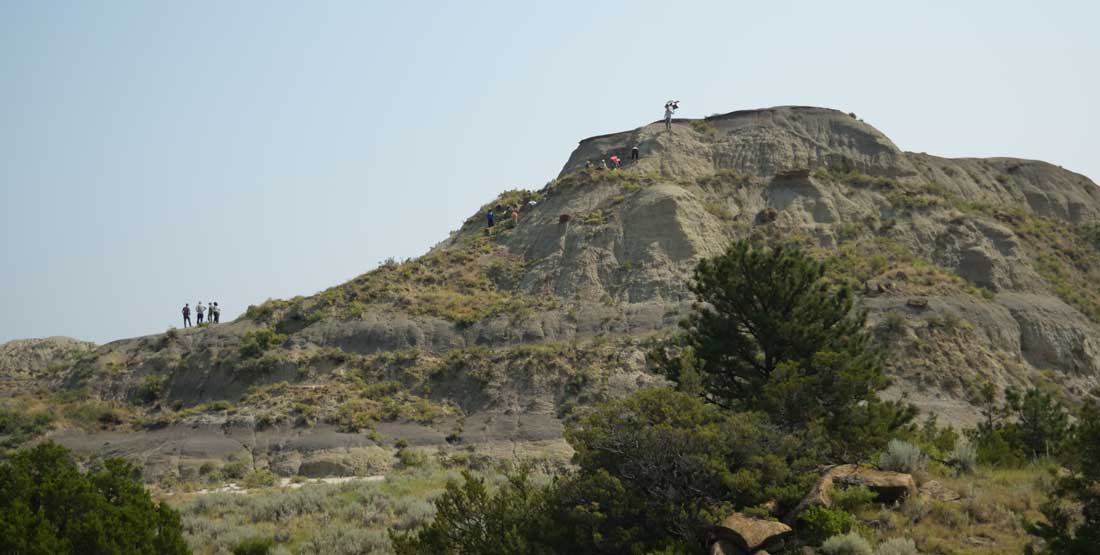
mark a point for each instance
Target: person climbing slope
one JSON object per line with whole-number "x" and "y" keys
{"x": 490, "y": 217}
{"x": 634, "y": 154}
{"x": 186, "y": 315}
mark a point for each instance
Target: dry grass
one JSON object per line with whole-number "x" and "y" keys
{"x": 988, "y": 518}
{"x": 464, "y": 284}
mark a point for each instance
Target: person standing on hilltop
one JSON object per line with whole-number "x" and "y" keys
{"x": 490, "y": 217}
{"x": 670, "y": 107}
{"x": 186, "y": 315}
{"x": 199, "y": 309}
{"x": 215, "y": 313}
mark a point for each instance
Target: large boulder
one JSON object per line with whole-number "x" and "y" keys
{"x": 746, "y": 534}
{"x": 890, "y": 486}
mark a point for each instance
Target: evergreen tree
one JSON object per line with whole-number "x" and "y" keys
{"x": 771, "y": 333}
{"x": 1042, "y": 422}
{"x": 48, "y": 506}
{"x": 1073, "y": 513}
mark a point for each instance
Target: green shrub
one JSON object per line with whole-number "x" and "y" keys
{"x": 902, "y": 456}
{"x": 470, "y": 519}
{"x": 151, "y": 388}
{"x": 949, "y": 514}
{"x": 257, "y": 342}
{"x": 703, "y": 127}
{"x": 846, "y": 544}
{"x": 254, "y": 546}
{"x": 235, "y": 470}
{"x": 411, "y": 457}
{"x": 894, "y": 322}
{"x": 259, "y": 478}
{"x": 817, "y": 524}
{"x": 852, "y": 499}
{"x": 22, "y": 420}
{"x": 49, "y": 506}
{"x": 964, "y": 458}
{"x": 897, "y": 546}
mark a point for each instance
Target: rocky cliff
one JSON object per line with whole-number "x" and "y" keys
{"x": 972, "y": 270}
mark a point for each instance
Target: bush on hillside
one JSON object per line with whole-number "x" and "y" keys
{"x": 817, "y": 524}
{"x": 22, "y": 420}
{"x": 654, "y": 471}
{"x": 853, "y": 499}
{"x": 254, "y": 546}
{"x": 964, "y": 458}
{"x": 471, "y": 519}
{"x": 679, "y": 457}
{"x": 897, "y": 546}
{"x": 902, "y": 456}
{"x": 258, "y": 342}
{"x": 47, "y": 505}
{"x": 846, "y": 544}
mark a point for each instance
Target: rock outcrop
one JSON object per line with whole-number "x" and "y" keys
{"x": 890, "y": 487}
{"x": 741, "y": 534}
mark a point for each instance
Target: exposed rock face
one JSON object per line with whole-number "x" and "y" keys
{"x": 25, "y": 358}
{"x": 890, "y": 486}
{"x": 747, "y": 534}
{"x": 605, "y": 256}
{"x": 32, "y": 355}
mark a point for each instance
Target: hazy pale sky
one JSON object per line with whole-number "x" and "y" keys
{"x": 156, "y": 153}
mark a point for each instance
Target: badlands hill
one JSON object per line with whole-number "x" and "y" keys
{"x": 972, "y": 270}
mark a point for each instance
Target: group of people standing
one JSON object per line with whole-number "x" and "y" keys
{"x": 214, "y": 313}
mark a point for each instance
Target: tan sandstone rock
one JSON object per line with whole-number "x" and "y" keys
{"x": 890, "y": 486}
{"x": 747, "y": 534}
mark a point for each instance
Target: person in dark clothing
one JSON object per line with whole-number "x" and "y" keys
{"x": 186, "y": 315}
{"x": 490, "y": 217}
{"x": 634, "y": 154}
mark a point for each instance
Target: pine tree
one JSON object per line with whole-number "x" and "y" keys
{"x": 1073, "y": 513}
{"x": 770, "y": 332}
